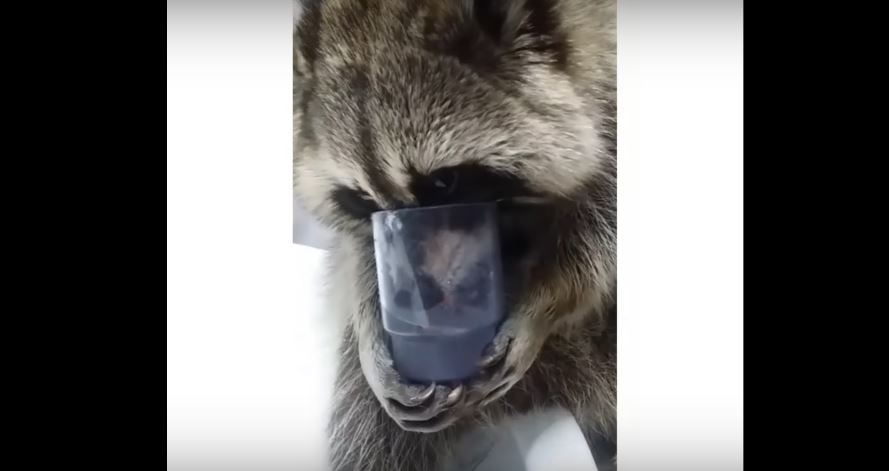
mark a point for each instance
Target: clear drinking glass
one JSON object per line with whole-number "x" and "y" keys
{"x": 441, "y": 287}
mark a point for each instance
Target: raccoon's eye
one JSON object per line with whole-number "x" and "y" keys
{"x": 354, "y": 203}
{"x": 465, "y": 183}
{"x": 445, "y": 180}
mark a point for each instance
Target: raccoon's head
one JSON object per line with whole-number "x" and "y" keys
{"x": 401, "y": 103}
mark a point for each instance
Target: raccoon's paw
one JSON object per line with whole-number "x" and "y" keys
{"x": 433, "y": 407}
{"x": 422, "y": 408}
{"x": 505, "y": 362}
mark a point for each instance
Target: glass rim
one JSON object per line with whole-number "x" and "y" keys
{"x": 492, "y": 204}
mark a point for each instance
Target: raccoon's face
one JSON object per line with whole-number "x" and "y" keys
{"x": 430, "y": 102}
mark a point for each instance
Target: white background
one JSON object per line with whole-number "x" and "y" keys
{"x": 243, "y": 393}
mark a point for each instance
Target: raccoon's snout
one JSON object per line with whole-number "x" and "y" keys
{"x": 471, "y": 291}
{"x": 431, "y": 292}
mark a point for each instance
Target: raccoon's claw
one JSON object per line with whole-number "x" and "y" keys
{"x": 502, "y": 365}
{"x": 414, "y": 407}
{"x": 410, "y": 395}
{"x": 495, "y": 354}
{"x": 428, "y": 411}
{"x": 494, "y": 381}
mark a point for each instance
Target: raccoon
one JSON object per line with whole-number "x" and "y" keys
{"x": 405, "y": 103}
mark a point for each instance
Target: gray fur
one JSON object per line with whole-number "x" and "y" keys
{"x": 387, "y": 89}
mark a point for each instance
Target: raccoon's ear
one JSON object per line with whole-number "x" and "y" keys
{"x": 506, "y": 20}
{"x": 499, "y": 19}
{"x": 521, "y": 25}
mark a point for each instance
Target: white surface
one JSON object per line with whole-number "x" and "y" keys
{"x": 249, "y": 373}
{"x": 308, "y": 231}
{"x": 680, "y": 239}
{"x": 541, "y": 441}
